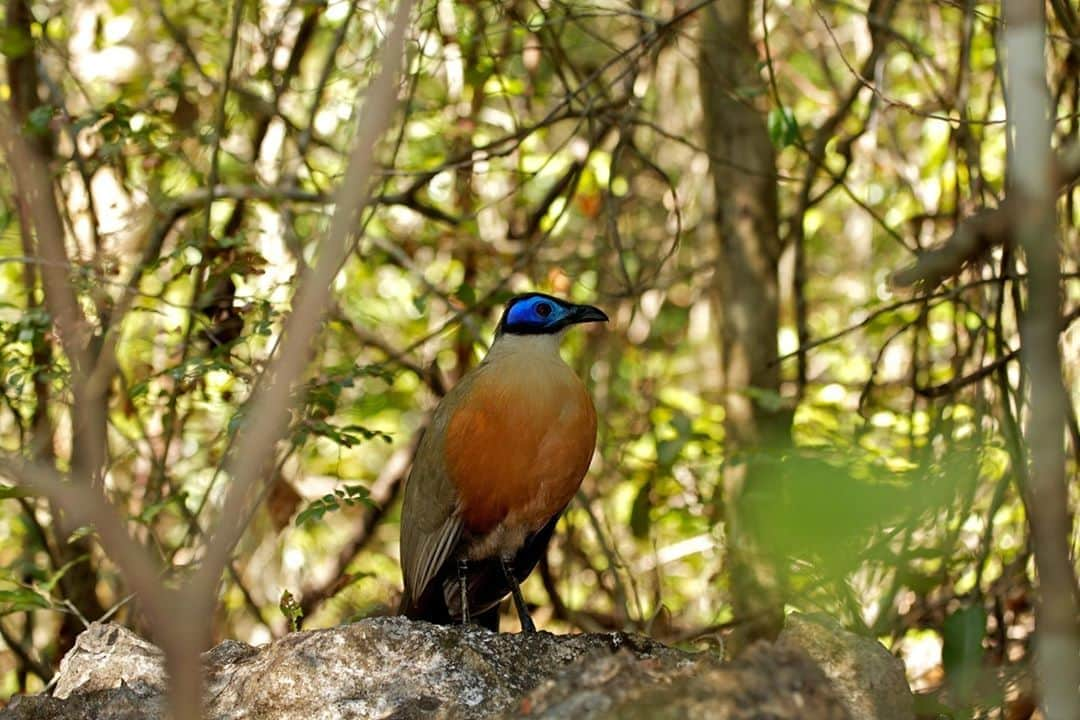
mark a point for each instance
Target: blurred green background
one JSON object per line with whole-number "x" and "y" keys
{"x": 564, "y": 147}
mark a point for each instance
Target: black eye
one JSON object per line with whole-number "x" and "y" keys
{"x": 543, "y": 310}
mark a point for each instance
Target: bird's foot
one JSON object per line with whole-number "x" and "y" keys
{"x": 463, "y": 583}
{"x": 527, "y": 625}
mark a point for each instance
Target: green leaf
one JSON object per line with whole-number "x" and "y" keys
{"x": 375, "y": 370}
{"x": 467, "y": 294}
{"x": 49, "y": 584}
{"x": 640, "y": 517}
{"x": 766, "y": 399}
{"x": 37, "y": 122}
{"x": 80, "y": 532}
{"x": 667, "y": 451}
{"x": 15, "y": 42}
{"x": 22, "y": 600}
{"x": 682, "y": 424}
{"x": 347, "y": 435}
{"x": 317, "y": 509}
{"x": 291, "y": 609}
{"x": 356, "y": 495}
{"x": 8, "y": 492}
{"x": 236, "y": 421}
{"x": 152, "y": 510}
{"x": 783, "y": 128}
{"x": 349, "y": 495}
{"x": 962, "y": 651}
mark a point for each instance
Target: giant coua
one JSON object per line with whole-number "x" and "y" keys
{"x": 506, "y": 450}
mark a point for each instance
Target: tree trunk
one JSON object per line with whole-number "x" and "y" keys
{"x": 744, "y": 177}
{"x": 1047, "y": 500}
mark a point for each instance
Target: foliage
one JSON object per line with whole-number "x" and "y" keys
{"x": 342, "y": 497}
{"x": 291, "y": 610}
{"x": 556, "y": 146}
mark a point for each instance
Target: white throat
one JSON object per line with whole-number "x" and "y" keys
{"x": 539, "y": 346}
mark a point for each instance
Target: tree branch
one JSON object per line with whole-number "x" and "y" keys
{"x": 983, "y": 231}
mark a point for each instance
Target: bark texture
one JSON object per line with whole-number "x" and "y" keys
{"x": 1047, "y": 501}
{"x": 744, "y": 177}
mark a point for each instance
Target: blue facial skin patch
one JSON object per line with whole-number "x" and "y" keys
{"x": 540, "y": 314}
{"x": 535, "y": 313}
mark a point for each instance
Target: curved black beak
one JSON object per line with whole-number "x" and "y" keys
{"x": 587, "y": 313}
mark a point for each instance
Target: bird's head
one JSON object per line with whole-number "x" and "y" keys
{"x": 540, "y": 314}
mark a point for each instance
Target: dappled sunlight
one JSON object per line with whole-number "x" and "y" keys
{"x": 875, "y": 463}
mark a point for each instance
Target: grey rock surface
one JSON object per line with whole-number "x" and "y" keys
{"x": 109, "y": 656}
{"x": 869, "y": 679}
{"x": 393, "y": 668}
{"x": 767, "y": 681}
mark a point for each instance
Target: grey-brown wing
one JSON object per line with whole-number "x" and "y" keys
{"x": 430, "y": 524}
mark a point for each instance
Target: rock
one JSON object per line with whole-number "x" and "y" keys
{"x": 767, "y": 681}
{"x": 393, "y": 668}
{"x": 110, "y": 656}
{"x": 869, "y": 680}
{"x": 122, "y": 703}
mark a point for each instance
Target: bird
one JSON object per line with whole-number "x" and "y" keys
{"x": 504, "y": 453}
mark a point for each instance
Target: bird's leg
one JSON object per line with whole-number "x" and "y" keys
{"x": 519, "y": 601}
{"x": 463, "y": 582}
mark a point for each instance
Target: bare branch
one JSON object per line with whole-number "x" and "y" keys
{"x": 987, "y": 370}
{"x": 983, "y": 231}
{"x": 35, "y": 188}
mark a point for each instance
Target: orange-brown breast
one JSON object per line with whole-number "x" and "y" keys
{"x": 519, "y": 444}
